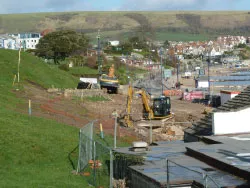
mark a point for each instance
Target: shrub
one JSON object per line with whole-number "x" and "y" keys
{"x": 64, "y": 67}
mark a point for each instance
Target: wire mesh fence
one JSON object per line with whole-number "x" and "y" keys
{"x": 95, "y": 160}
{"x": 101, "y": 166}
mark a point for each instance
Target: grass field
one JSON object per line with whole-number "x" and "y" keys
{"x": 34, "y": 151}
{"x": 83, "y": 70}
{"x": 162, "y": 36}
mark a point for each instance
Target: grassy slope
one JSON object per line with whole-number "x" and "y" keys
{"x": 33, "y": 150}
{"x": 82, "y": 70}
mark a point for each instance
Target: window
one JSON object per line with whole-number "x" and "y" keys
{"x": 32, "y": 46}
{"x": 28, "y": 46}
{"x": 31, "y": 40}
{"x": 34, "y": 40}
{"x": 27, "y": 40}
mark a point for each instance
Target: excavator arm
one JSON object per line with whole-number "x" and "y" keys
{"x": 127, "y": 118}
{"x": 145, "y": 101}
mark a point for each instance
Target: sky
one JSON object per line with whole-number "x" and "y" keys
{"x": 27, "y": 6}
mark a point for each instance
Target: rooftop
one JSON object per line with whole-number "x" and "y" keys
{"x": 184, "y": 165}
{"x": 204, "y": 126}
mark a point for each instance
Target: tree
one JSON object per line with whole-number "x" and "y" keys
{"x": 61, "y": 44}
{"x": 166, "y": 44}
{"x": 138, "y": 43}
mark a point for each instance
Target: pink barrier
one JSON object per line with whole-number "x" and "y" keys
{"x": 193, "y": 95}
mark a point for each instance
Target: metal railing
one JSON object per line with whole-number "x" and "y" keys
{"x": 176, "y": 172}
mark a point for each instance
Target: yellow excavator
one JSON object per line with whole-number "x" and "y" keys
{"x": 158, "y": 111}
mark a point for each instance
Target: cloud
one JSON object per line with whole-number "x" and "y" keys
{"x": 164, "y": 4}
{"x": 22, "y": 6}
{"x": 183, "y": 5}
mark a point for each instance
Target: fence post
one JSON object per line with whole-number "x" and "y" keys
{"x": 150, "y": 132}
{"x": 101, "y": 131}
{"x": 115, "y": 130}
{"x": 91, "y": 130}
{"x": 91, "y": 140}
{"x": 205, "y": 180}
{"x": 94, "y": 159}
{"x": 29, "y": 107}
{"x": 79, "y": 154}
{"x": 111, "y": 170}
{"x": 168, "y": 183}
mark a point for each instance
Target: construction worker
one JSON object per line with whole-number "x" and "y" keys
{"x": 112, "y": 71}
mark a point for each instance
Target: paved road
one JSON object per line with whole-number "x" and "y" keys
{"x": 153, "y": 84}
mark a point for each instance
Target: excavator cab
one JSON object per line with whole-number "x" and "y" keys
{"x": 161, "y": 107}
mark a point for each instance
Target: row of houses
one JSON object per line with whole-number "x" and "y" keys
{"x": 206, "y": 48}
{"x": 20, "y": 40}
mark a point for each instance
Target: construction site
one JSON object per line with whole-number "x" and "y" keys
{"x": 152, "y": 132}
{"x": 156, "y": 125}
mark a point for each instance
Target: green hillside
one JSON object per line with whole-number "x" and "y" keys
{"x": 117, "y": 25}
{"x": 34, "y": 151}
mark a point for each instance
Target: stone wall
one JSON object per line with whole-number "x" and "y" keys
{"x": 79, "y": 92}
{"x": 84, "y": 92}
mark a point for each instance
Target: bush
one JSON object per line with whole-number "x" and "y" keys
{"x": 64, "y": 67}
{"x": 92, "y": 62}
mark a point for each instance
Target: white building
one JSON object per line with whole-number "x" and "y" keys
{"x": 201, "y": 82}
{"x": 227, "y": 95}
{"x": 27, "y": 40}
{"x": 114, "y": 43}
{"x": 7, "y": 42}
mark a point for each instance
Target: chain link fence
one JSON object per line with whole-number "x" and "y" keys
{"x": 95, "y": 160}
{"x": 102, "y": 167}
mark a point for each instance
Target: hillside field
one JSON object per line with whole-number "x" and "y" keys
{"x": 34, "y": 150}
{"x": 171, "y": 25}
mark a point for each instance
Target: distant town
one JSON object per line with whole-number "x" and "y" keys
{"x": 182, "y": 50}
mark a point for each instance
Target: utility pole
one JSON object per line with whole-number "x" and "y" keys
{"x": 208, "y": 79}
{"x": 177, "y": 70}
{"x": 99, "y": 53}
{"x": 18, "y": 65}
{"x": 161, "y": 52}
{"x": 127, "y": 60}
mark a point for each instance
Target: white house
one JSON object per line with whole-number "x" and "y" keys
{"x": 7, "y": 42}
{"x": 27, "y": 40}
{"x": 114, "y": 43}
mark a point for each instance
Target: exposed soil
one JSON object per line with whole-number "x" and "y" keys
{"x": 77, "y": 113}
